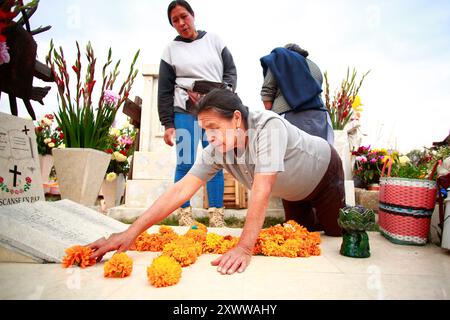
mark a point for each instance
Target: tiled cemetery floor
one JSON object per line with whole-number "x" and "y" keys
{"x": 392, "y": 272}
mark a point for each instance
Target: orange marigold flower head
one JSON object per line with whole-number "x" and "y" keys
{"x": 166, "y": 230}
{"x": 164, "y": 272}
{"x": 148, "y": 242}
{"x": 197, "y": 235}
{"x": 79, "y": 256}
{"x": 184, "y": 250}
{"x": 119, "y": 266}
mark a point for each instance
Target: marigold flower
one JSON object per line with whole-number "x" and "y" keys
{"x": 290, "y": 240}
{"x": 78, "y": 255}
{"x": 164, "y": 272}
{"x": 184, "y": 250}
{"x": 119, "y": 266}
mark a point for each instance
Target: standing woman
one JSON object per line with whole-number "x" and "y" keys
{"x": 192, "y": 56}
{"x": 292, "y": 88}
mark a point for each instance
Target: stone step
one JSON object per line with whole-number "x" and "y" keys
{"x": 129, "y": 214}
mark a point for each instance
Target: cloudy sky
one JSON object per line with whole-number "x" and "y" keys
{"x": 405, "y": 44}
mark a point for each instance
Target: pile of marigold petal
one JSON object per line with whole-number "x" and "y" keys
{"x": 287, "y": 240}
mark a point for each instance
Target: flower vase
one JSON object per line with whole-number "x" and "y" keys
{"x": 46, "y": 163}
{"x": 355, "y": 221}
{"x": 342, "y": 146}
{"x": 80, "y": 173}
{"x": 113, "y": 191}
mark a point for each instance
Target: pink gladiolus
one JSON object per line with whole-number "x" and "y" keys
{"x": 4, "y": 54}
{"x": 373, "y": 160}
{"x": 110, "y": 97}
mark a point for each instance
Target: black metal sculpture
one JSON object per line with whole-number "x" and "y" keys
{"x": 16, "y": 77}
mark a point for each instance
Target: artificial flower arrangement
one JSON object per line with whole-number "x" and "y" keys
{"x": 179, "y": 251}
{"x": 346, "y": 103}
{"x": 86, "y": 125}
{"x": 121, "y": 147}
{"x": 47, "y": 136}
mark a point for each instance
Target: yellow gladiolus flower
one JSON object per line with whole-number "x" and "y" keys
{"x": 357, "y": 104}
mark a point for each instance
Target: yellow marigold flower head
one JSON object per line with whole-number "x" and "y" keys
{"x": 164, "y": 272}
{"x": 213, "y": 243}
{"x": 119, "y": 266}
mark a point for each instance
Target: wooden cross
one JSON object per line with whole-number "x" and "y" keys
{"x": 25, "y": 130}
{"x": 15, "y": 173}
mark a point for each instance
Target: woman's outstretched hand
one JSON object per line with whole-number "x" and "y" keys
{"x": 235, "y": 260}
{"x": 119, "y": 242}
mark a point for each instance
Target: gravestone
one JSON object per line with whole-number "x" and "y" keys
{"x": 43, "y": 230}
{"x": 20, "y": 174}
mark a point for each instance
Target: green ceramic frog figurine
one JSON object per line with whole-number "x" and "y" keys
{"x": 355, "y": 221}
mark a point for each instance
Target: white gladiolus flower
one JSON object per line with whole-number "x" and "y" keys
{"x": 51, "y": 145}
{"x": 47, "y": 141}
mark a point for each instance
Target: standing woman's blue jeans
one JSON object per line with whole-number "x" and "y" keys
{"x": 189, "y": 134}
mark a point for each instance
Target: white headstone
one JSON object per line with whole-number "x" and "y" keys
{"x": 20, "y": 174}
{"x": 43, "y": 230}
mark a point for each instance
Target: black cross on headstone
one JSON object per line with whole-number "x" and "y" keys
{"x": 15, "y": 173}
{"x": 25, "y": 130}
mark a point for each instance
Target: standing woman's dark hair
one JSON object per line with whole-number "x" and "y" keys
{"x": 181, "y": 3}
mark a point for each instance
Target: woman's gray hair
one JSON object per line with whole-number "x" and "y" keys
{"x": 296, "y": 48}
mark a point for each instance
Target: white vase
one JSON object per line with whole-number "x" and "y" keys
{"x": 80, "y": 173}
{"x": 46, "y": 163}
{"x": 342, "y": 146}
{"x": 113, "y": 191}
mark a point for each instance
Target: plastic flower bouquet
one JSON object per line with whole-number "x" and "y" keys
{"x": 84, "y": 124}
{"x": 346, "y": 101}
{"x": 121, "y": 146}
{"x": 47, "y": 136}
